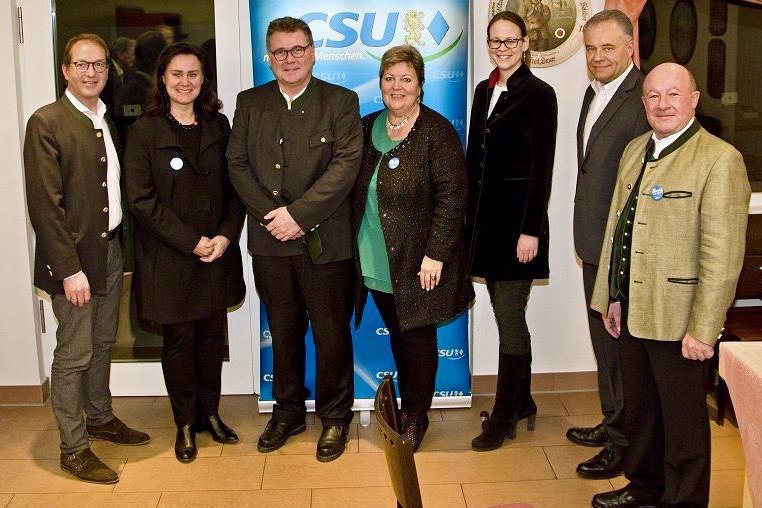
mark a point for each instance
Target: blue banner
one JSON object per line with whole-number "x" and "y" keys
{"x": 349, "y": 43}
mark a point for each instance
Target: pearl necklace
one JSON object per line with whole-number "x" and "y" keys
{"x": 398, "y": 126}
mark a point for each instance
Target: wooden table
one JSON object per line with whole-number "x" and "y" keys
{"x": 741, "y": 367}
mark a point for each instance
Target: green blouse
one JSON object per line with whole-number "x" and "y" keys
{"x": 374, "y": 261}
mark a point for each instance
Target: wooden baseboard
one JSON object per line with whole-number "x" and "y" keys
{"x": 32, "y": 395}
{"x": 480, "y": 385}
{"x": 546, "y": 382}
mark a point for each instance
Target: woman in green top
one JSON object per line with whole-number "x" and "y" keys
{"x": 409, "y": 204}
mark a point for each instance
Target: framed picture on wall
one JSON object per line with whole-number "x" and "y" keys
{"x": 647, "y": 30}
{"x": 683, "y": 28}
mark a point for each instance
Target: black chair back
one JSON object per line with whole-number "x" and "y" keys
{"x": 397, "y": 448}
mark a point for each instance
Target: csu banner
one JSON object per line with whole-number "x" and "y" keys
{"x": 350, "y": 38}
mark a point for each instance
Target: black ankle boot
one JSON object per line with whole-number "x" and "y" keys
{"x": 220, "y": 432}
{"x": 185, "y": 443}
{"x": 494, "y": 432}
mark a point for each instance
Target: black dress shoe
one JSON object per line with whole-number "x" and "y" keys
{"x": 87, "y": 467}
{"x": 332, "y": 442}
{"x": 185, "y": 443}
{"x": 621, "y": 499}
{"x": 606, "y": 464}
{"x": 220, "y": 432}
{"x": 276, "y": 433}
{"x": 588, "y": 436}
{"x": 117, "y": 432}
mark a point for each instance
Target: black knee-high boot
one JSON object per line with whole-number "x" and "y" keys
{"x": 511, "y": 371}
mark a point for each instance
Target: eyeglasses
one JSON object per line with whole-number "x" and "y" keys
{"x": 509, "y": 43}
{"x": 280, "y": 54}
{"x": 82, "y": 66}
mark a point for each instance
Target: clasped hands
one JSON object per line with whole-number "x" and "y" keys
{"x": 209, "y": 249}
{"x": 282, "y": 226}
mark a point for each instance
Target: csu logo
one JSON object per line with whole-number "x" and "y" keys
{"x": 382, "y": 331}
{"x": 380, "y": 375}
{"x": 458, "y": 123}
{"x": 452, "y": 354}
{"x": 378, "y": 30}
{"x": 344, "y": 27}
{"x": 451, "y": 393}
{"x": 267, "y": 377}
{"x": 451, "y": 75}
{"x": 336, "y": 78}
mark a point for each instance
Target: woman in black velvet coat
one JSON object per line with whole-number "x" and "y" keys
{"x": 511, "y": 145}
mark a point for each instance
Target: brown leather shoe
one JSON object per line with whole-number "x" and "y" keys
{"x": 588, "y": 436}
{"x": 117, "y": 432}
{"x": 87, "y": 467}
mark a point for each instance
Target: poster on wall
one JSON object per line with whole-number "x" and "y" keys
{"x": 554, "y": 27}
{"x": 350, "y": 38}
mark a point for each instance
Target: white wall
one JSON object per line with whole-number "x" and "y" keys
{"x": 20, "y": 360}
{"x": 556, "y": 312}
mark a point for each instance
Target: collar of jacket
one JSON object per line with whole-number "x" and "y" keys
{"x": 166, "y": 137}
{"x": 80, "y": 116}
{"x": 522, "y": 71}
{"x": 86, "y": 122}
{"x": 680, "y": 141}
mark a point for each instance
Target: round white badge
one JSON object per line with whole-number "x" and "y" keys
{"x": 176, "y": 163}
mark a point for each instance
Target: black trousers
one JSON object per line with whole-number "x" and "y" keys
{"x": 297, "y": 292}
{"x": 415, "y": 354}
{"x": 667, "y": 421}
{"x": 191, "y": 359}
{"x": 606, "y": 349}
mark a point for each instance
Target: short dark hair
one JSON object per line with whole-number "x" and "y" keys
{"x": 121, "y": 44}
{"x": 516, "y": 20}
{"x": 148, "y": 46}
{"x": 614, "y": 15}
{"x": 206, "y": 104}
{"x": 288, "y": 24}
{"x": 84, "y": 37}
{"x": 407, "y": 54}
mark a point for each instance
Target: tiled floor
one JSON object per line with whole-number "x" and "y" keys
{"x": 537, "y": 468}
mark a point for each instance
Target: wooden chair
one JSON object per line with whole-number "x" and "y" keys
{"x": 397, "y": 448}
{"x": 742, "y": 323}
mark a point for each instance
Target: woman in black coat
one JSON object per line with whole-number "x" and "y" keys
{"x": 511, "y": 144}
{"x": 409, "y": 203}
{"x": 188, "y": 220}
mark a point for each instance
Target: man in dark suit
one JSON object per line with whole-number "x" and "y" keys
{"x": 612, "y": 115}
{"x": 71, "y": 163}
{"x": 294, "y": 154}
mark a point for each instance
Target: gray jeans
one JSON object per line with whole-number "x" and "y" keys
{"x": 82, "y": 358}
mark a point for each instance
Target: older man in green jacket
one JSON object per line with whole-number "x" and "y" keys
{"x": 672, "y": 254}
